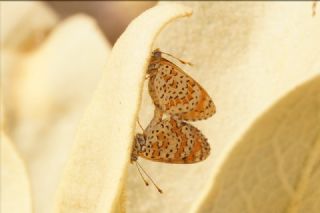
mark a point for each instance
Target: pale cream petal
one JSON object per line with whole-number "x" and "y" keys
{"x": 274, "y": 167}
{"x": 25, "y": 24}
{"x": 9, "y": 66}
{"x": 94, "y": 176}
{"x": 56, "y": 86}
{"x": 15, "y": 186}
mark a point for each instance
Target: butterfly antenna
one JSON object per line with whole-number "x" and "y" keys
{"x": 159, "y": 190}
{"x": 183, "y": 62}
{"x": 140, "y": 125}
{"x": 144, "y": 180}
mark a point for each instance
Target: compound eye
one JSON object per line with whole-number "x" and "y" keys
{"x": 157, "y": 53}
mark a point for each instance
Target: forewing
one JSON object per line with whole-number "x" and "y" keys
{"x": 176, "y": 93}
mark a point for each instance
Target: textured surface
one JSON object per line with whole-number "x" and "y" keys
{"x": 280, "y": 154}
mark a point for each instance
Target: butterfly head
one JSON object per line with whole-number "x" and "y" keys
{"x": 156, "y": 54}
{"x": 138, "y": 146}
{"x": 155, "y": 58}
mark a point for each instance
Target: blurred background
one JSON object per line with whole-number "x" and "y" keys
{"x": 111, "y": 16}
{"x": 51, "y": 62}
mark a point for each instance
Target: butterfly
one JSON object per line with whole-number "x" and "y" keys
{"x": 175, "y": 92}
{"x": 171, "y": 141}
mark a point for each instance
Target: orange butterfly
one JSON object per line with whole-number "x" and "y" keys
{"x": 175, "y": 92}
{"x": 171, "y": 141}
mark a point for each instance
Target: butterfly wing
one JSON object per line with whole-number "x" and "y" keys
{"x": 174, "y": 141}
{"x": 176, "y": 93}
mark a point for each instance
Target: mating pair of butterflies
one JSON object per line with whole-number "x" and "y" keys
{"x": 172, "y": 140}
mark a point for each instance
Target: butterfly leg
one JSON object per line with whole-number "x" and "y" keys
{"x": 140, "y": 125}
